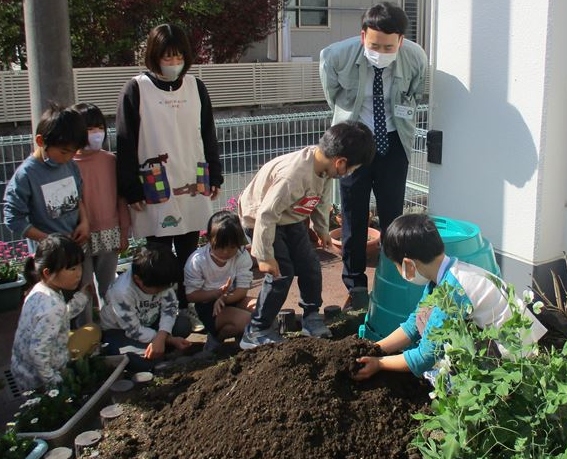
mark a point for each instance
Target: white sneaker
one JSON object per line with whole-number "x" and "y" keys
{"x": 196, "y": 324}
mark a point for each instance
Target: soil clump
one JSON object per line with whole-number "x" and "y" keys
{"x": 295, "y": 399}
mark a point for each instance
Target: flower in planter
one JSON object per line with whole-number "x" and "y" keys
{"x": 12, "y": 259}
{"x": 50, "y": 410}
{"x": 14, "y": 447}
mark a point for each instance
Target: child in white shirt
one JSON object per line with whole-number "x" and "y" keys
{"x": 217, "y": 278}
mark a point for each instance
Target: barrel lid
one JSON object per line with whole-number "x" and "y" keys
{"x": 455, "y": 230}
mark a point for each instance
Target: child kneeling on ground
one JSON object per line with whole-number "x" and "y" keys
{"x": 414, "y": 245}
{"x": 139, "y": 316}
{"x": 217, "y": 278}
{"x": 43, "y": 342}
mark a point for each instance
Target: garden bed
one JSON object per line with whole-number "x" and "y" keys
{"x": 292, "y": 400}
{"x": 65, "y": 435}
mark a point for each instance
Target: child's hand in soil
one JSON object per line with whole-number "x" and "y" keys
{"x": 368, "y": 366}
{"x": 156, "y": 348}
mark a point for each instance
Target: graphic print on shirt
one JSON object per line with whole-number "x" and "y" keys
{"x": 60, "y": 197}
{"x": 306, "y": 205}
{"x": 148, "y": 311}
{"x": 154, "y": 179}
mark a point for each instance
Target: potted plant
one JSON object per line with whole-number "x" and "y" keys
{"x": 14, "y": 447}
{"x": 335, "y": 217}
{"x": 373, "y": 240}
{"x": 58, "y": 414}
{"x": 125, "y": 257}
{"x": 12, "y": 259}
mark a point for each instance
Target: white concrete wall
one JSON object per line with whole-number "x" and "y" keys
{"x": 498, "y": 95}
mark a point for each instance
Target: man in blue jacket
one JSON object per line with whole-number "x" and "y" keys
{"x": 376, "y": 78}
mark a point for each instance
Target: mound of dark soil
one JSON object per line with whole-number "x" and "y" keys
{"x": 291, "y": 400}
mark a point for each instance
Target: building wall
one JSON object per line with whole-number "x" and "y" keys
{"x": 344, "y": 21}
{"x": 498, "y": 94}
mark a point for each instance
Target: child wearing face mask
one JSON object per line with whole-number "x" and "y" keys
{"x": 168, "y": 166}
{"x": 273, "y": 208}
{"x": 45, "y": 194}
{"x": 414, "y": 245}
{"x": 107, "y": 212}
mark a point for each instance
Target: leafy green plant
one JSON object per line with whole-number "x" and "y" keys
{"x": 486, "y": 405}
{"x": 12, "y": 258}
{"x": 49, "y": 410}
{"x": 133, "y": 248}
{"x": 14, "y": 447}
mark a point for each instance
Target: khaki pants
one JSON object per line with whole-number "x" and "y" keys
{"x": 84, "y": 340}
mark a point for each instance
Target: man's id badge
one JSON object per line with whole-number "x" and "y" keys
{"x": 403, "y": 111}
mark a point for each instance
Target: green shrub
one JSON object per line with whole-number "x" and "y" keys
{"x": 488, "y": 406}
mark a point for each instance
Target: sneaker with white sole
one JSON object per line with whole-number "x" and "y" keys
{"x": 252, "y": 339}
{"x": 196, "y": 324}
{"x": 314, "y": 326}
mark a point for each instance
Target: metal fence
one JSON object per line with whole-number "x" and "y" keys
{"x": 245, "y": 144}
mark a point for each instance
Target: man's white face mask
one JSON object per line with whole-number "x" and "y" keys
{"x": 380, "y": 60}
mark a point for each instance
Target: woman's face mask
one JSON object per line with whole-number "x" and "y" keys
{"x": 418, "y": 279}
{"x": 171, "y": 72}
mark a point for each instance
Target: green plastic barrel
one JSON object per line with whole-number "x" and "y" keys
{"x": 393, "y": 298}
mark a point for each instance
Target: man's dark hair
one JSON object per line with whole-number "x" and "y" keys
{"x": 385, "y": 17}
{"x": 413, "y": 236}
{"x": 352, "y": 140}
{"x": 164, "y": 38}
{"x": 62, "y": 127}
{"x": 156, "y": 266}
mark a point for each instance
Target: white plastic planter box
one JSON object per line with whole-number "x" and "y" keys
{"x": 81, "y": 420}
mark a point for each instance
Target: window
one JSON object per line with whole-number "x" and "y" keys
{"x": 306, "y": 13}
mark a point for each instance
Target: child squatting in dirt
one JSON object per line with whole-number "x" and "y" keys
{"x": 415, "y": 246}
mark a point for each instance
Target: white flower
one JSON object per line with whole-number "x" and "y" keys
{"x": 27, "y": 393}
{"x": 538, "y": 305}
{"x": 53, "y": 393}
{"x": 528, "y": 296}
{"x": 69, "y": 400}
{"x": 444, "y": 364}
{"x": 17, "y": 414}
{"x": 432, "y": 395}
{"x": 34, "y": 421}
{"x": 31, "y": 402}
{"x": 13, "y": 449}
